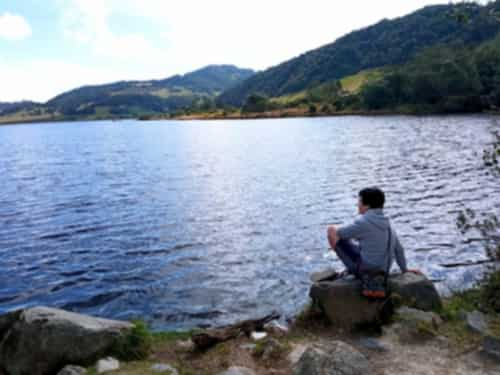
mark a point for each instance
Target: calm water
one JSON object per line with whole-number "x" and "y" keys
{"x": 195, "y": 223}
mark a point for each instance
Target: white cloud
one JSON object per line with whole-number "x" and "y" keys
{"x": 14, "y": 27}
{"x": 259, "y": 33}
{"x": 256, "y": 34}
{"x": 87, "y": 23}
{"x": 42, "y": 79}
{"x": 190, "y": 34}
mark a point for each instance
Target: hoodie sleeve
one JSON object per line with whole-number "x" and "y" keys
{"x": 353, "y": 230}
{"x": 400, "y": 256}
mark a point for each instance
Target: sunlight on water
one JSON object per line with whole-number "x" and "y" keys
{"x": 195, "y": 223}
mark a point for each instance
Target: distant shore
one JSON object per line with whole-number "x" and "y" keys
{"x": 237, "y": 115}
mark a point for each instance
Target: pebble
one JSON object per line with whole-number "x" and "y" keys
{"x": 163, "y": 367}
{"x": 107, "y": 364}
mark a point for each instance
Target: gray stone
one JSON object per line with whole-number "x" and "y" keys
{"x": 416, "y": 291}
{"x": 39, "y": 340}
{"x": 72, "y": 370}
{"x": 332, "y": 359}
{"x": 277, "y": 329}
{"x": 164, "y": 368}
{"x": 236, "y": 370}
{"x": 343, "y": 304}
{"x": 107, "y": 364}
{"x": 269, "y": 349}
{"x": 411, "y": 314}
{"x": 477, "y": 322}
{"x": 371, "y": 343}
{"x": 414, "y": 325}
{"x": 491, "y": 346}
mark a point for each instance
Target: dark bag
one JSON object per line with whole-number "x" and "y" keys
{"x": 374, "y": 283}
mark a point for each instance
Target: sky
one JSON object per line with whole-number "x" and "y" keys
{"x": 51, "y": 46}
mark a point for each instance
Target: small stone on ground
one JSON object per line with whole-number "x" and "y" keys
{"x": 491, "y": 346}
{"x": 107, "y": 364}
{"x": 72, "y": 370}
{"x": 477, "y": 322}
{"x": 373, "y": 344}
{"x": 163, "y": 367}
{"x": 236, "y": 370}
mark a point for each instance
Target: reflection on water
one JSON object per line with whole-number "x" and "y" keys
{"x": 195, "y": 223}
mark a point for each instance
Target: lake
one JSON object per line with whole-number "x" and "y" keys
{"x": 201, "y": 223}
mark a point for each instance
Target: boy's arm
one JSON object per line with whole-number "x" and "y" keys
{"x": 400, "y": 256}
{"x": 352, "y": 230}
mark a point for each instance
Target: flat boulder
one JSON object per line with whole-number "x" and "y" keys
{"x": 332, "y": 358}
{"x": 344, "y": 306}
{"x": 42, "y": 340}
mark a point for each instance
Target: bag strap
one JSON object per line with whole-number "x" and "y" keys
{"x": 388, "y": 252}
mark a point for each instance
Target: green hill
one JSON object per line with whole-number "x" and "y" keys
{"x": 148, "y": 97}
{"x": 389, "y": 42}
{"x": 11, "y": 107}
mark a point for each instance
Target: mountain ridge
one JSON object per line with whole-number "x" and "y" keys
{"x": 388, "y": 42}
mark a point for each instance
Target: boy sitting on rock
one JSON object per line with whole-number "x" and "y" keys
{"x": 378, "y": 244}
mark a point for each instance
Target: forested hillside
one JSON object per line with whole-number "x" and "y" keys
{"x": 389, "y": 42}
{"x": 156, "y": 96}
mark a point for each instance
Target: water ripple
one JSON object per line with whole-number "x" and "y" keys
{"x": 192, "y": 224}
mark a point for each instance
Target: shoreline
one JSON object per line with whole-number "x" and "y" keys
{"x": 249, "y": 116}
{"x": 447, "y": 341}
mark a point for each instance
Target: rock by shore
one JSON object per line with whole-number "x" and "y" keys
{"x": 45, "y": 341}
{"x": 342, "y": 303}
{"x": 41, "y": 340}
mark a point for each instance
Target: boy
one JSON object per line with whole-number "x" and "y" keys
{"x": 371, "y": 260}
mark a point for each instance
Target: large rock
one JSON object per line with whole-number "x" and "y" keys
{"x": 416, "y": 291}
{"x": 343, "y": 304}
{"x": 333, "y": 358}
{"x": 41, "y": 340}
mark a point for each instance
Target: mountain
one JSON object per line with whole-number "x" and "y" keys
{"x": 11, "y": 107}
{"x": 155, "y": 96}
{"x": 389, "y": 42}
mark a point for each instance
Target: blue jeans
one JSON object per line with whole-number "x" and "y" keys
{"x": 349, "y": 253}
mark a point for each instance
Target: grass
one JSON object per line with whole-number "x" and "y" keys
{"x": 352, "y": 84}
{"x": 289, "y": 99}
{"x": 27, "y": 116}
{"x": 460, "y": 302}
{"x": 136, "y": 344}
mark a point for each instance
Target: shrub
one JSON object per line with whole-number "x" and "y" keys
{"x": 136, "y": 344}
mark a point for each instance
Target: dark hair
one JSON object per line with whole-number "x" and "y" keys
{"x": 373, "y": 197}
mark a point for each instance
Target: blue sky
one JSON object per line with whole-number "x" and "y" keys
{"x": 50, "y": 46}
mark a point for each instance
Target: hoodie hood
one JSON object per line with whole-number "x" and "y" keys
{"x": 376, "y": 217}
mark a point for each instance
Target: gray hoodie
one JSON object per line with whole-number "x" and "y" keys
{"x": 370, "y": 229}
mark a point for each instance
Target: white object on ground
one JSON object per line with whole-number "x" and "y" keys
{"x": 107, "y": 364}
{"x": 258, "y": 335}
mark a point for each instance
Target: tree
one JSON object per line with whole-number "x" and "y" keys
{"x": 256, "y": 103}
